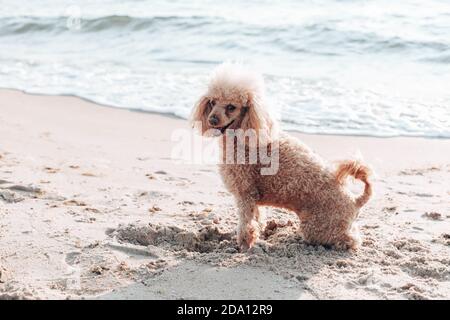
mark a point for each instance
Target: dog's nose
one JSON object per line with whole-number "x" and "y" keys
{"x": 213, "y": 120}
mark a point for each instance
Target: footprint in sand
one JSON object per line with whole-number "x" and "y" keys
{"x": 72, "y": 258}
{"x": 10, "y": 197}
{"x": 16, "y": 193}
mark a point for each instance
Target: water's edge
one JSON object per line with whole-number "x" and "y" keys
{"x": 173, "y": 116}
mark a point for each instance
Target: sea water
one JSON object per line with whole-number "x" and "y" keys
{"x": 357, "y": 67}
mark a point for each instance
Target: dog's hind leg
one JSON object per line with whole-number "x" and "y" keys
{"x": 335, "y": 230}
{"x": 247, "y": 232}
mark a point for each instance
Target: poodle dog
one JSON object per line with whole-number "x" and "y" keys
{"x": 302, "y": 182}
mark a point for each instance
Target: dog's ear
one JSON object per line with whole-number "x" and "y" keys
{"x": 200, "y": 114}
{"x": 257, "y": 118}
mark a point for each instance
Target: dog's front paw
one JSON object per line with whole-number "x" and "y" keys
{"x": 347, "y": 242}
{"x": 246, "y": 237}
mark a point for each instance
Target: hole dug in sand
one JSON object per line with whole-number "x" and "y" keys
{"x": 206, "y": 239}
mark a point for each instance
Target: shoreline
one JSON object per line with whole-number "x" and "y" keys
{"x": 174, "y": 116}
{"x": 93, "y": 207}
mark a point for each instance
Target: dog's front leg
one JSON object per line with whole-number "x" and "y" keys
{"x": 247, "y": 232}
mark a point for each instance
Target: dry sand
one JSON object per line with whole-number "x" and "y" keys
{"x": 92, "y": 206}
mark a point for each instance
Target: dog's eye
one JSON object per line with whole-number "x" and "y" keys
{"x": 212, "y": 103}
{"x": 231, "y": 108}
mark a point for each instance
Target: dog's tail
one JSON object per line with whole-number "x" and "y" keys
{"x": 359, "y": 171}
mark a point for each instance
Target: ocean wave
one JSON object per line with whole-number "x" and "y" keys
{"x": 328, "y": 71}
{"x": 32, "y": 24}
{"x": 324, "y": 38}
{"x": 441, "y": 59}
{"x": 27, "y": 25}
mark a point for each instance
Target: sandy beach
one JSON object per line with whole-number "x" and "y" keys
{"x": 93, "y": 207}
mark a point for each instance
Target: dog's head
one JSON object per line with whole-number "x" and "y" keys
{"x": 234, "y": 100}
